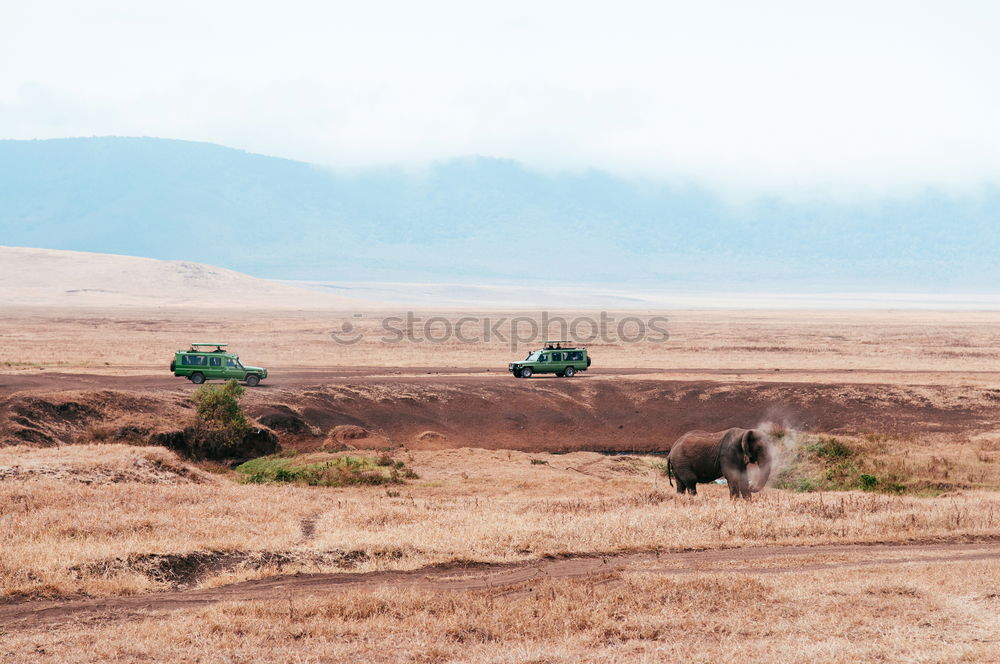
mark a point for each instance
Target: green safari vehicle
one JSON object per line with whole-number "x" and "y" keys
{"x": 555, "y": 357}
{"x": 199, "y": 365}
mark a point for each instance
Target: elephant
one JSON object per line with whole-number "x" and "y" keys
{"x": 701, "y": 456}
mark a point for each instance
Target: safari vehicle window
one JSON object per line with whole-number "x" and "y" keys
{"x": 215, "y": 361}
{"x": 194, "y": 360}
{"x": 230, "y": 362}
{"x": 534, "y": 357}
{"x": 574, "y": 356}
{"x": 557, "y": 357}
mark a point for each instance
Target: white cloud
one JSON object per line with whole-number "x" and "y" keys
{"x": 783, "y": 95}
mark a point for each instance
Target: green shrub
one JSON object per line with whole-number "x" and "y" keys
{"x": 219, "y": 414}
{"x": 868, "y": 482}
{"x": 828, "y": 447}
{"x": 332, "y": 472}
{"x": 285, "y": 475}
{"x": 805, "y": 485}
{"x": 220, "y": 429}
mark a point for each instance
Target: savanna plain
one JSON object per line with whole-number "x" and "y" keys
{"x": 412, "y": 501}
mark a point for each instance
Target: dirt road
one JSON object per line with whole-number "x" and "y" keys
{"x": 512, "y": 577}
{"x": 300, "y": 377}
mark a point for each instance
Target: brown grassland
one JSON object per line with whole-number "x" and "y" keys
{"x": 904, "y": 346}
{"x": 868, "y": 546}
{"x": 933, "y": 612}
{"x": 87, "y": 530}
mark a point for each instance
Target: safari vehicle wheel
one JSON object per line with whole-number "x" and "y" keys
{"x": 526, "y": 372}
{"x": 253, "y": 380}
{"x": 569, "y": 372}
{"x": 197, "y": 378}
{"x": 517, "y": 373}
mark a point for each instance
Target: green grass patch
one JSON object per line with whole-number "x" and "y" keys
{"x": 321, "y": 469}
{"x": 827, "y": 463}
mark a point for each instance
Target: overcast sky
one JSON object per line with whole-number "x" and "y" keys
{"x": 776, "y": 96}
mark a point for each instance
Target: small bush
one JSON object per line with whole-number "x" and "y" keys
{"x": 221, "y": 430}
{"x": 218, "y": 408}
{"x": 805, "y": 485}
{"x": 98, "y": 433}
{"x": 285, "y": 475}
{"x": 868, "y": 482}
{"x": 828, "y": 447}
{"x": 539, "y": 462}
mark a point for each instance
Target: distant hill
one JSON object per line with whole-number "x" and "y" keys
{"x": 478, "y": 220}
{"x": 47, "y": 277}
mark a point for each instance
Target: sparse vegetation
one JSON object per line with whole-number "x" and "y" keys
{"x": 322, "y": 469}
{"x": 872, "y": 462}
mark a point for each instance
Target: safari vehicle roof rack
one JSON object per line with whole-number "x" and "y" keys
{"x": 569, "y": 343}
{"x": 218, "y": 347}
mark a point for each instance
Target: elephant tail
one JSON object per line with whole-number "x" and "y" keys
{"x": 670, "y": 472}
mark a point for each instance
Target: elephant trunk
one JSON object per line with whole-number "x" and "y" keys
{"x": 763, "y": 472}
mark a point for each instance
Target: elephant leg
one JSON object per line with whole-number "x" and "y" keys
{"x": 686, "y": 480}
{"x": 732, "y": 476}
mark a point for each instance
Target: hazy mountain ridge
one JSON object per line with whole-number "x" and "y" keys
{"x": 49, "y": 277}
{"x": 474, "y": 218}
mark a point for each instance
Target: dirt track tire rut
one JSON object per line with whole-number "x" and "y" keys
{"x": 37, "y": 614}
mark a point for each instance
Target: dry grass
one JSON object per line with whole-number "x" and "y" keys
{"x": 911, "y": 613}
{"x": 72, "y": 538}
{"x": 98, "y": 464}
